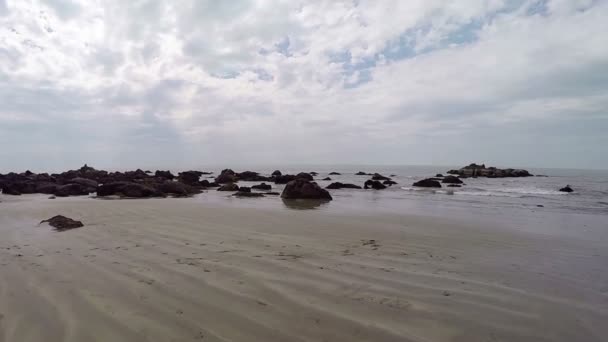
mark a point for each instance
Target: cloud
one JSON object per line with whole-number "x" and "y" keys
{"x": 303, "y": 82}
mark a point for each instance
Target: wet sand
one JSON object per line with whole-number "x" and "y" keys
{"x": 176, "y": 270}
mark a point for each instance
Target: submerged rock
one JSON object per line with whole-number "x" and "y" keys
{"x": 229, "y": 187}
{"x": 248, "y": 194}
{"x": 567, "y": 188}
{"x": 334, "y": 173}
{"x": 262, "y": 186}
{"x": 62, "y": 223}
{"x": 374, "y": 184}
{"x": 338, "y": 185}
{"x": 304, "y": 189}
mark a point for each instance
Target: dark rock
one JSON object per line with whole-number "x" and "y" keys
{"x": 244, "y": 189}
{"x": 326, "y": 179}
{"x": 374, "y": 184}
{"x": 73, "y": 190}
{"x": 379, "y": 177}
{"x": 276, "y": 173}
{"x": 338, "y": 185}
{"x": 190, "y": 177}
{"x": 229, "y": 187}
{"x": 451, "y": 180}
{"x": 439, "y": 175}
{"x": 84, "y": 182}
{"x": 304, "y": 189}
{"x": 567, "y": 188}
{"x": 177, "y": 189}
{"x": 262, "y": 186}
{"x": 284, "y": 179}
{"x": 334, "y": 173}
{"x": 62, "y": 223}
{"x": 540, "y": 205}
{"x": 389, "y": 182}
{"x": 361, "y": 173}
{"x": 248, "y": 194}
{"x": 128, "y": 189}
{"x": 250, "y": 176}
{"x": 428, "y": 183}
{"x": 272, "y": 193}
{"x": 305, "y": 176}
{"x": 164, "y": 174}
{"x": 226, "y": 176}
{"x": 207, "y": 184}
{"x": 454, "y": 185}
{"x": 474, "y": 170}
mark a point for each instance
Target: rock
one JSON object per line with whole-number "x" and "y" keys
{"x": 10, "y": 190}
{"x": 248, "y": 194}
{"x": 326, "y": 179}
{"x": 272, "y": 193}
{"x": 284, "y": 179}
{"x": 73, "y": 190}
{"x": 262, "y": 186}
{"x": 567, "y": 188}
{"x": 474, "y": 170}
{"x": 334, "y": 173}
{"x": 454, "y": 185}
{"x": 177, "y": 189}
{"x": 250, "y": 176}
{"x": 84, "y": 181}
{"x": 226, "y": 176}
{"x": 164, "y": 174}
{"x": 52, "y": 197}
{"x": 451, "y": 180}
{"x": 379, "y": 177}
{"x": 361, "y": 173}
{"x": 304, "y": 189}
{"x": 127, "y": 189}
{"x": 276, "y": 173}
{"x": 338, "y": 185}
{"x": 439, "y": 175}
{"x": 428, "y": 183}
{"x": 62, "y": 223}
{"x": 206, "y": 184}
{"x": 389, "y": 182}
{"x": 374, "y": 184}
{"x": 244, "y": 189}
{"x": 229, "y": 187}
{"x": 540, "y": 205}
{"x": 304, "y": 175}
{"x": 190, "y": 177}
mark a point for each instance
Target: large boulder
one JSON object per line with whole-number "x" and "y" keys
{"x": 475, "y": 170}
{"x": 374, "y": 184}
{"x": 567, "y": 188}
{"x": 451, "y": 180}
{"x": 338, "y": 185}
{"x": 226, "y": 176}
{"x": 276, "y": 173}
{"x": 62, "y": 223}
{"x": 304, "y": 189}
{"x": 305, "y": 176}
{"x": 428, "y": 183}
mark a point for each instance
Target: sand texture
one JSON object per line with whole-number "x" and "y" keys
{"x": 175, "y": 270}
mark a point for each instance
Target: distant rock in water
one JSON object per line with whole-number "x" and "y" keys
{"x": 62, "y": 223}
{"x": 361, "y": 173}
{"x": 439, "y": 175}
{"x": 451, "y": 180}
{"x": 334, "y": 173}
{"x": 229, "y": 187}
{"x": 380, "y": 177}
{"x": 326, "y": 179}
{"x": 374, "y": 184}
{"x": 428, "y": 183}
{"x": 567, "y": 188}
{"x": 226, "y": 176}
{"x": 454, "y": 185}
{"x": 338, "y": 185}
{"x": 128, "y": 189}
{"x": 389, "y": 182}
{"x": 262, "y": 186}
{"x": 475, "y": 170}
{"x": 304, "y": 189}
{"x": 276, "y": 173}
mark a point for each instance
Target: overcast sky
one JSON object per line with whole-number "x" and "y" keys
{"x": 179, "y": 83}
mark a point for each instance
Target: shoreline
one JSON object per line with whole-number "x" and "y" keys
{"x": 167, "y": 269}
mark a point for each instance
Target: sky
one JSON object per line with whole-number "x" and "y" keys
{"x": 181, "y": 83}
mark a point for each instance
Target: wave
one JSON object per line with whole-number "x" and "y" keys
{"x": 502, "y": 192}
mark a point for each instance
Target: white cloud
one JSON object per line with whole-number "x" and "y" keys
{"x": 261, "y": 80}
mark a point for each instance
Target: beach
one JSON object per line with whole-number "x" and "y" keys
{"x": 186, "y": 270}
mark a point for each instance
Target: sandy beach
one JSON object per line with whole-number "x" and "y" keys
{"x": 175, "y": 270}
